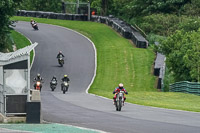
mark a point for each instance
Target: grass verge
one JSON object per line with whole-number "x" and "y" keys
{"x": 20, "y": 41}
{"x": 119, "y": 61}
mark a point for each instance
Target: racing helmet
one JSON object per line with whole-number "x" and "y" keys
{"x": 65, "y": 76}
{"x": 121, "y": 85}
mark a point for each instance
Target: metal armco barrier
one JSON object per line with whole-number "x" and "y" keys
{"x": 126, "y": 30}
{"x": 52, "y": 15}
{"x": 186, "y": 87}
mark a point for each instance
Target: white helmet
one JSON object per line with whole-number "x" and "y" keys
{"x": 38, "y": 75}
{"x": 121, "y": 85}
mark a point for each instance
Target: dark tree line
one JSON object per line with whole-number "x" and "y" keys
{"x": 7, "y": 9}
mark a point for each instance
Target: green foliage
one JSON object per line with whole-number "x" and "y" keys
{"x": 122, "y": 8}
{"x": 160, "y": 24}
{"x": 103, "y": 6}
{"x": 42, "y": 5}
{"x": 144, "y": 7}
{"x": 152, "y": 38}
{"x": 183, "y": 51}
{"x": 7, "y": 9}
{"x": 192, "y": 8}
{"x": 166, "y": 24}
{"x": 168, "y": 79}
{"x": 97, "y": 5}
{"x": 189, "y": 24}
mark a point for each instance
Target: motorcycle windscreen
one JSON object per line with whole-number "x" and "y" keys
{"x": 15, "y": 81}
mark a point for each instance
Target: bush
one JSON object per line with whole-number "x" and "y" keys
{"x": 160, "y": 24}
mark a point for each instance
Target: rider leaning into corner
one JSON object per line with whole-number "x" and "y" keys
{"x": 32, "y": 22}
{"x": 117, "y": 90}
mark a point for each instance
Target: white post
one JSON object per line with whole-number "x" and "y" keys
{"x": 77, "y": 6}
{"x": 4, "y": 92}
{"x": 88, "y": 10}
{"x": 28, "y": 79}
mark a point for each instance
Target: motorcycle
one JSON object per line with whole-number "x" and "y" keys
{"x": 35, "y": 26}
{"x": 38, "y": 85}
{"x": 61, "y": 61}
{"x": 53, "y": 85}
{"x": 119, "y": 101}
{"x": 64, "y": 86}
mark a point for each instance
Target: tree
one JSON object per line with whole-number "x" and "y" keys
{"x": 42, "y": 5}
{"x": 146, "y": 7}
{"x": 7, "y": 9}
{"x": 183, "y": 55}
{"x": 103, "y": 6}
{"x": 192, "y": 8}
{"x": 122, "y": 8}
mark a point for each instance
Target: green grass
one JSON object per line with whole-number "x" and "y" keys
{"x": 20, "y": 41}
{"x": 169, "y": 100}
{"x": 119, "y": 61}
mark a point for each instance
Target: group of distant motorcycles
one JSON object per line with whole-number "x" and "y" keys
{"x": 53, "y": 83}
{"x": 119, "y": 102}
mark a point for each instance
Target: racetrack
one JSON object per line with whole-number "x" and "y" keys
{"x": 85, "y": 110}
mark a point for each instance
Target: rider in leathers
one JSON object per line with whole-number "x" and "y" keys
{"x": 38, "y": 78}
{"x": 53, "y": 79}
{"x": 117, "y": 90}
{"x": 64, "y": 79}
{"x": 60, "y": 54}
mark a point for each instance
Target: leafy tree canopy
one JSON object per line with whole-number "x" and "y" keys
{"x": 183, "y": 54}
{"x": 42, "y": 5}
{"x": 7, "y": 9}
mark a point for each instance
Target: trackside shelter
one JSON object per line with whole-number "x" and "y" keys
{"x": 15, "y": 81}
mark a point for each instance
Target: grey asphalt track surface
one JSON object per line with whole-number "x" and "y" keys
{"x": 86, "y": 110}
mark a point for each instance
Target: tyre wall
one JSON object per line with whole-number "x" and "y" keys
{"x": 118, "y": 25}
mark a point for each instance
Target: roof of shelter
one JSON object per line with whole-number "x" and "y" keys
{"x": 20, "y": 52}
{"x": 139, "y": 36}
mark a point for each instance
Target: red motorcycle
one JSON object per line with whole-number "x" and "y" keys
{"x": 38, "y": 85}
